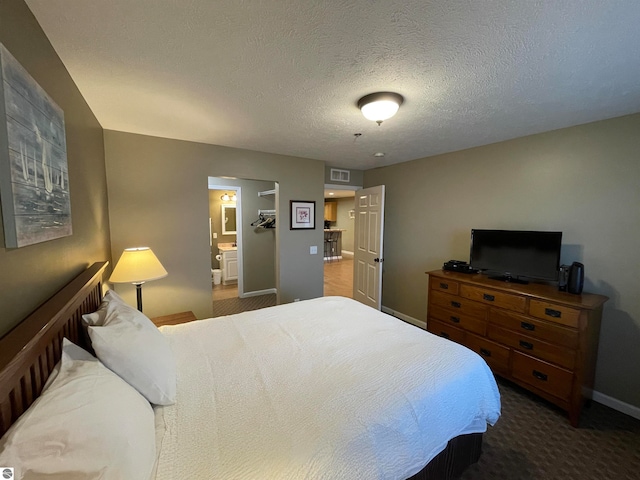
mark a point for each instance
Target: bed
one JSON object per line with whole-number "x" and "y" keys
{"x": 325, "y": 388}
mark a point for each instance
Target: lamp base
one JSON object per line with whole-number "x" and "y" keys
{"x": 139, "y": 295}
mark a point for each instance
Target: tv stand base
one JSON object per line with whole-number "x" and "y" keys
{"x": 509, "y": 279}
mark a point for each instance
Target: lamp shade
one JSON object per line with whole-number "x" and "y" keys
{"x": 380, "y": 106}
{"x": 137, "y": 265}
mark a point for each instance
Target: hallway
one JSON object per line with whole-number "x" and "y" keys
{"x": 338, "y": 278}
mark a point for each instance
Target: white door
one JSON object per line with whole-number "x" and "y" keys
{"x": 367, "y": 260}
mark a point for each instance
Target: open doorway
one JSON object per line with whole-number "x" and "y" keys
{"x": 225, "y": 212}
{"x": 243, "y": 249}
{"x": 339, "y": 239}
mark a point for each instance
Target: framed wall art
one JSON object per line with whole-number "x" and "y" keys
{"x": 303, "y": 214}
{"x": 34, "y": 178}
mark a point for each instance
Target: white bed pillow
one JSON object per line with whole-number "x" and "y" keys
{"x": 98, "y": 317}
{"x": 88, "y": 423}
{"x": 132, "y": 346}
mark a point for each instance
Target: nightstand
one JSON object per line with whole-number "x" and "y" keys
{"x": 174, "y": 319}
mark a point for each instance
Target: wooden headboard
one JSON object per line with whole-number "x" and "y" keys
{"x": 29, "y": 352}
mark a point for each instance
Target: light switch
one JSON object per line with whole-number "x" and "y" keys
{"x": 313, "y": 250}
{"x": 215, "y": 234}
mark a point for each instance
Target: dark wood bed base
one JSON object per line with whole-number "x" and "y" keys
{"x": 449, "y": 464}
{"x": 32, "y": 348}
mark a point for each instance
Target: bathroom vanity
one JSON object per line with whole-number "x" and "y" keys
{"x": 228, "y": 262}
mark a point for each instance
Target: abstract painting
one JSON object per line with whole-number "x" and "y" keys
{"x": 34, "y": 178}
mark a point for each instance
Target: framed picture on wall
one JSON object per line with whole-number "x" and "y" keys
{"x": 303, "y": 214}
{"x": 34, "y": 176}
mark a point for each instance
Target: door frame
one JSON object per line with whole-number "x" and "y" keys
{"x": 238, "y": 191}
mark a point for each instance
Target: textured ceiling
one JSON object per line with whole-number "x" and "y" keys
{"x": 284, "y": 76}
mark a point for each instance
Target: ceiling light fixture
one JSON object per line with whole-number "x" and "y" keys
{"x": 380, "y": 106}
{"x": 227, "y": 198}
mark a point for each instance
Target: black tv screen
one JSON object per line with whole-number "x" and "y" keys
{"x": 511, "y": 253}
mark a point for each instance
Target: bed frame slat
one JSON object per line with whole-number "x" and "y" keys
{"x": 32, "y": 348}
{"x": 5, "y": 416}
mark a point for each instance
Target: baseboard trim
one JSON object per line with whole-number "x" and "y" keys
{"x": 335, "y": 257}
{"x": 406, "y": 318}
{"x": 257, "y": 293}
{"x": 606, "y": 400}
{"x": 616, "y": 404}
{"x": 347, "y": 254}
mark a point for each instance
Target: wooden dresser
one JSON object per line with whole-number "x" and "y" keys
{"x": 534, "y": 335}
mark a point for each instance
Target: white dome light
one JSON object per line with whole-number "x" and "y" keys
{"x": 380, "y": 106}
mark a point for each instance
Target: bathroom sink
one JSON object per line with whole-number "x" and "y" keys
{"x": 226, "y": 247}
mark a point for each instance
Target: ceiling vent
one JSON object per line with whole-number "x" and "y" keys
{"x": 340, "y": 175}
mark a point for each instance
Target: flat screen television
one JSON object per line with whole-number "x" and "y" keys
{"x": 509, "y": 255}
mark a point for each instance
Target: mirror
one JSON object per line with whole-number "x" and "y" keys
{"x": 228, "y": 219}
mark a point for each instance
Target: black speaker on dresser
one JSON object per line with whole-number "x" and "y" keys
{"x": 576, "y": 278}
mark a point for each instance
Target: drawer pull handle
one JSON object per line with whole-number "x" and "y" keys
{"x": 553, "y": 313}
{"x": 444, "y": 286}
{"x": 528, "y": 326}
{"x": 444, "y": 335}
{"x": 488, "y": 298}
{"x": 540, "y": 375}
{"x": 527, "y": 345}
{"x": 485, "y": 352}
{"x": 455, "y": 304}
{"x": 455, "y": 319}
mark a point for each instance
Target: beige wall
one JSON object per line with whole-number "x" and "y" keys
{"x": 158, "y": 196}
{"x": 30, "y": 275}
{"x": 584, "y": 181}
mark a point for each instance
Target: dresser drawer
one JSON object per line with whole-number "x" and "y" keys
{"x": 458, "y": 304}
{"x": 554, "y": 380}
{"x": 446, "y": 331}
{"x": 554, "y": 313}
{"x": 458, "y": 319}
{"x": 444, "y": 285}
{"x": 496, "y": 355}
{"x": 550, "y": 332}
{"x": 494, "y": 297}
{"x": 547, "y": 351}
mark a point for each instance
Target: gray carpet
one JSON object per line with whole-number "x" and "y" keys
{"x": 229, "y": 306}
{"x": 533, "y": 440}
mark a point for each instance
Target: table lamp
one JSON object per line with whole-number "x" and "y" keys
{"x": 137, "y": 265}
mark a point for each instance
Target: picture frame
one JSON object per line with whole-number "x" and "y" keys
{"x": 34, "y": 175}
{"x": 302, "y": 214}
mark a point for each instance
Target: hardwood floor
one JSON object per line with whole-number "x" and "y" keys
{"x": 338, "y": 278}
{"x": 220, "y": 292}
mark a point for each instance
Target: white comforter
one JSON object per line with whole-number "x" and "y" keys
{"x": 321, "y": 389}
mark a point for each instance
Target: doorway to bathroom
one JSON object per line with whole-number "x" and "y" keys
{"x": 243, "y": 243}
{"x": 225, "y": 210}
